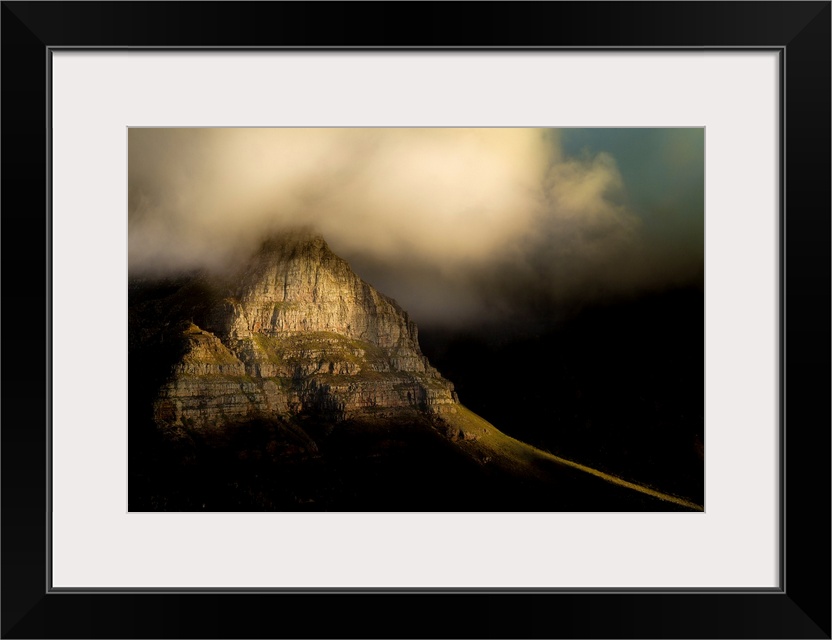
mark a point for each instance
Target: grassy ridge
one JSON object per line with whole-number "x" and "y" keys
{"x": 493, "y": 447}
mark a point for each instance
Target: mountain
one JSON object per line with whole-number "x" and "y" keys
{"x": 293, "y": 384}
{"x": 297, "y": 332}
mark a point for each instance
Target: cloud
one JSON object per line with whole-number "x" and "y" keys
{"x": 441, "y": 194}
{"x": 454, "y": 223}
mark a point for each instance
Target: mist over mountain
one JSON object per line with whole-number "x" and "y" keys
{"x": 455, "y": 224}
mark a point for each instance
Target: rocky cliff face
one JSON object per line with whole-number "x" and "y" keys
{"x": 298, "y": 332}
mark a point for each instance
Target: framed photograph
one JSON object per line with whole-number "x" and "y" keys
{"x": 521, "y": 310}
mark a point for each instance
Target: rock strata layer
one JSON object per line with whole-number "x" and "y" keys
{"x": 298, "y": 332}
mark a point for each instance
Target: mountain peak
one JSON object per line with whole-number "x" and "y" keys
{"x": 301, "y": 332}
{"x": 293, "y": 240}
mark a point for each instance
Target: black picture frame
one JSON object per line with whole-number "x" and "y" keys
{"x": 800, "y": 31}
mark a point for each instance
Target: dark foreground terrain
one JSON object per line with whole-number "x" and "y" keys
{"x": 403, "y": 464}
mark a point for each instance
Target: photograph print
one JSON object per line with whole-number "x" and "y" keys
{"x": 416, "y": 319}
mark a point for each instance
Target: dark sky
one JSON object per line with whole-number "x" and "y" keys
{"x": 456, "y": 224}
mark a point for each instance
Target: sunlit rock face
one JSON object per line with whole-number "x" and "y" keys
{"x": 297, "y": 331}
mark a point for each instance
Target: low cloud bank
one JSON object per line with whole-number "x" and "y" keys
{"x": 454, "y": 223}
